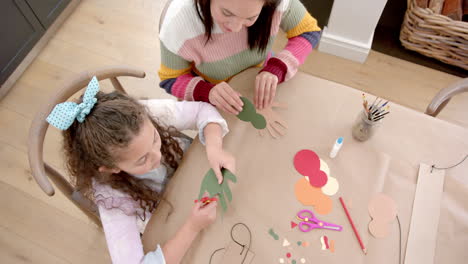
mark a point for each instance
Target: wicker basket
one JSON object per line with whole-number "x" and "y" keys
{"x": 435, "y": 35}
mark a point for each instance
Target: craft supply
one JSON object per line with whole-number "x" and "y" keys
{"x": 331, "y": 187}
{"x": 207, "y": 200}
{"x": 303, "y": 260}
{"x": 249, "y": 114}
{"x": 273, "y": 234}
{"x": 383, "y": 211}
{"x": 433, "y": 167}
{"x": 293, "y": 225}
{"x": 210, "y": 184}
{"x": 336, "y": 147}
{"x": 364, "y": 128}
{"x": 309, "y": 222}
{"x": 286, "y": 243}
{"x": 281, "y": 260}
{"x": 299, "y": 243}
{"x": 324, "y": 167}
{"x": 306, "y": 162}
{"x": 305, "y": 244}
{"x": 322, "y": 241}
{"x": 373, "y": 103}
{"x": 288, "y": 255}
{"x": 356, "y": 233}
{"x": 237, "y": 252}
{"x": 424, "y": 223}
{"x": 332, "y": 246}
{"x": 310, "y": 195}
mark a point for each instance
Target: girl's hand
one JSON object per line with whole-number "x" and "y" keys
{"x": 218, "y": 159}
{"x": 265, "y": 89}
{"x": 202, "y": 216}
{"x": 225, "y": 98}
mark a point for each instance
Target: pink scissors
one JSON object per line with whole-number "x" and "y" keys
{"x": 309, "y": 222}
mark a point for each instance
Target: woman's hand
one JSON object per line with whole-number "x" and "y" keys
{"x": 218, "y": 159}
{"x": 265, "y": 89}
{"x": 225, "y": 98}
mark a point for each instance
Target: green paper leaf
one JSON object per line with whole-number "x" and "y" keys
{"x": 248, "y": 110}
{"x": 259, "y": 122}
{"x": 210, "y": 184}
{"x": 227, "y": 175}
{"x": 222, "y": 202}
{"x": 227, "y": 191}
{"x": 249, "y": 114}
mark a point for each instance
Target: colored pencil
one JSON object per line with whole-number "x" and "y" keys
{"x": 354, "y": 227}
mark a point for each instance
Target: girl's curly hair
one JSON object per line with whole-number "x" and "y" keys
{"x": 112, "y": 123}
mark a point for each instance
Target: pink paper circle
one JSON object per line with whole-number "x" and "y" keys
{"x": 306, "y": 162}
{"x": 318, "y": 179}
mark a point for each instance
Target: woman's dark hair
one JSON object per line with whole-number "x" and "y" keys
{"x": 258, "y": 33}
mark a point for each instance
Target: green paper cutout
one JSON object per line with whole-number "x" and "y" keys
{"x": 210, "y": 185}
{"x": 299, "y": 243}
{"x": 249, "y": 114}
{"x": 273, "y": 234}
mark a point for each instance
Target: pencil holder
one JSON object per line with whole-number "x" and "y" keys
{"x": 363, "y": 128}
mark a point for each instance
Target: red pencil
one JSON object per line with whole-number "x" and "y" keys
{"x": 354, "y": 227}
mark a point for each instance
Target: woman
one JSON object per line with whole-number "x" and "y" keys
{"x": 203, "y": 47}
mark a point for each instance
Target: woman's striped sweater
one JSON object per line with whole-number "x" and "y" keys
{"x": 190, "y": 68}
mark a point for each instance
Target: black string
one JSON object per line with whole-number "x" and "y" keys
{"x": 434, "y": 167}
{"x": 399, "y": 227}
{"x": 247, "y": 247}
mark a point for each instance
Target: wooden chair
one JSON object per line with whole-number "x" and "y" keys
{"x": 42, "y": 171}
{"x": 443, "y": 97}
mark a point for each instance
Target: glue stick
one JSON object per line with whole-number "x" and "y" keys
{"x": 336, "y": 147}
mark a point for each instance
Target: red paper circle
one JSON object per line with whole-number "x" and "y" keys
{"x": 307, "y": 162}
{"x": 318, "y": 179}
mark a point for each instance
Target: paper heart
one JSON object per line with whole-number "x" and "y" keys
{"x": 249, "y": 114}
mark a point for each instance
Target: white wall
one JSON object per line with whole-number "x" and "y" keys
{"x": 351, "y": 27}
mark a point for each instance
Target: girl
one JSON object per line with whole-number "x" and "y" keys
{"x": 121, "y": 156}
{"x": 206, "y": 42}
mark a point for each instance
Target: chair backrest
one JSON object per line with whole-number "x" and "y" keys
{"x": 443, "y": 97}
{"x": 39, "y": 128}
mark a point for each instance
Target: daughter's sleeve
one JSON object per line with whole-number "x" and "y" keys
{"x": 123, "y": 238}
{"x": 186, "y": 115}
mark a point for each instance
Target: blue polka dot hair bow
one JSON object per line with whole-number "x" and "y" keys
{"x": 64, "y": 114}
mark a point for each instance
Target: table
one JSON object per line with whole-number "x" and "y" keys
{"x": 319, "y": 112}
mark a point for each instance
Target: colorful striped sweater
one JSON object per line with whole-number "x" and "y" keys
{"x": 189, "y": 68}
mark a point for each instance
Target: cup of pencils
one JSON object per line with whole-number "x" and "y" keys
{"x": 370, "y": 118}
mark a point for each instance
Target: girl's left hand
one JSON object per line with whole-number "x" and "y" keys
{"x": 265, "y": 89}
{"x": 218, "y": 159}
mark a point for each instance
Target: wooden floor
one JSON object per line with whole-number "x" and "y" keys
{"x": 35, "y": 228}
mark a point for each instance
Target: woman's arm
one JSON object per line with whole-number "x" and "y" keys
{"x": 303, "y": 35}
